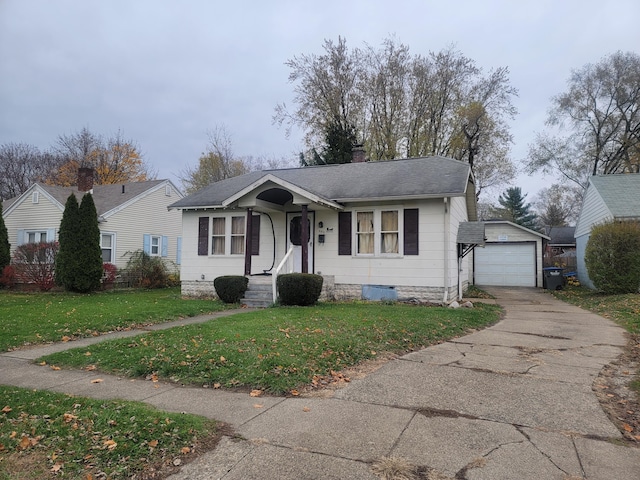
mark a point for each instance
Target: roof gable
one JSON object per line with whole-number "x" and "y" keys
{"x": 427, "y": 177}
{"x": 107, "y": 198}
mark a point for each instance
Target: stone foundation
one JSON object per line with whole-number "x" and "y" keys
{"x": 197, "y": 289}
{"x": 338, "y": 292}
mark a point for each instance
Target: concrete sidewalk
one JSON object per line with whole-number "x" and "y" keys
{"x": 513, "y": 401}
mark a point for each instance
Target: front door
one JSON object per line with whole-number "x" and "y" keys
{"x": 294, "y": 237}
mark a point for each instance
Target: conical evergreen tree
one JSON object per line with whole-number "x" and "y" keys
{"x": 89, "y": 253}
{"x": 513, "y": 208}
{"x": 67, "y": 258}
{"x": 5, "y": 247}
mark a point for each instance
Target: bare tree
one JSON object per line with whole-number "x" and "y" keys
{"x": 404, "y": 106}
{"x": 558, "y": 205}
{"x": 216, "y": 163}
{"x": 328, "y": 91}
{"x": 594, "y": 125}
{"x": 21, "y": 165}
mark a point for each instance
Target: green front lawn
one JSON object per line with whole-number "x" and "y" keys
{"x": 623, "y": 309}
{"x": 51, "y": 435}
{"x": 31, "y": 318}
{"x": 278, "y": 349}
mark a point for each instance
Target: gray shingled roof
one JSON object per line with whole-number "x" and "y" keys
{"x": 620, "y": 192}
{"x": 105, "y": 197}
{"x": 561, "y": 235}
{"x": 471, "y": 233}
{"x": 415, "y": 177}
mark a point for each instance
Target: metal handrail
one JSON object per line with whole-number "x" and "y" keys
{"x": 280, "y": 266}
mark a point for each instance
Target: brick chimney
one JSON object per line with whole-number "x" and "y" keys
{"x": 358, "y": 154}
{"x": 85, "y": 179}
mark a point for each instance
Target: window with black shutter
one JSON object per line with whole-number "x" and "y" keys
{"x": 255, "y": 235}
{"x": 344, "y": 233}
{"x": 411, "y": 231}
{"x": 203, "y": 235}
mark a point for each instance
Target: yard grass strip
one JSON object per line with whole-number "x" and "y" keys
{"x": 278, "y": 349}
{"x": 49, "y": 435}
{"x": 34, "y": 318}
{"x": 624, "y": 309}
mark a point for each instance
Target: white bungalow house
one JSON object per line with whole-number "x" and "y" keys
{"x": 131, "y": 216}
{"x": 371, "y": 229}
{"x": 608, "y": 197}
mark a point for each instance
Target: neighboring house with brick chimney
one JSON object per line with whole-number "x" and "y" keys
{"x": 388, "y": 229}
{"x": 131, "y": 216}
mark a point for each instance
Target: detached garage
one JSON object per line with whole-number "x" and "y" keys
{"x": 512, "y": 256}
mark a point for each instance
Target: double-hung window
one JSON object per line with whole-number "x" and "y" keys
{"x": 218, "y": 235}
{"x": 156, "y": 243}
{"x": 237, "y": 235}
{"x": 107, "y": 244}
{"x": 377, "y": 232}
{"x": 227, "y": 235}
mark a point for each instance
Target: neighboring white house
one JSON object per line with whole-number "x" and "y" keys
{"x": 366, "y": 225}
{"x": 131, "y": 216}
{"x": 608, "y": 197}
{"x": 512, "y": 256}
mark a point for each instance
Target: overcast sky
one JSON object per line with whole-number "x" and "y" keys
{"x": 165, "y": 72}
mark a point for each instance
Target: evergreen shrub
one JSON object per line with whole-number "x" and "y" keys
{"x": 612, "y": 257}
{"x": 231, "y": 288}
{"x": 299, "y": 288}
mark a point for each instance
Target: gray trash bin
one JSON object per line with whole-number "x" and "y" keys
{"x": 552, "y": 278}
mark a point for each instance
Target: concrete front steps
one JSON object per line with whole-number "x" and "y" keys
{"x": 259, "y": 292}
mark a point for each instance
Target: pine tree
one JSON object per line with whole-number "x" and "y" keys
{"x": 513, "y": 208}
{"x": 67, "y": 258}
{"x": 5, "y": 247}
{"x": 87, "y": 277}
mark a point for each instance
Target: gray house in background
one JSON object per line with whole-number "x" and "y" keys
{"x": 608, "y": 197}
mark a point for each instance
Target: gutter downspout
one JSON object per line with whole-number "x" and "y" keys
{"x": 445, "y": 296}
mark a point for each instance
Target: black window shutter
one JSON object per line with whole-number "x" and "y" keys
{"x": 411, "y": 231}
{"x": 255, "y": 235}
{"x": 203, "y": 235}
{"x": 344, "y": 233}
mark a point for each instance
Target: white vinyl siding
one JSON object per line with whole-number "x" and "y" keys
{"x": 148, "y": 215}
{"x": 593, "y": 211}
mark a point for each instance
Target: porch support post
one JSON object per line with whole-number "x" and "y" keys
{"x": 304, "y": 224}
{"x": 248, "y": 246}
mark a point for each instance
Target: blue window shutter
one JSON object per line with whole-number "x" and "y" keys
{"x": 20, "y": 237}
{"x": 146, "y": 244}
{"x": 179, "y": 251}
{"x": 165, "y": 246}
{"x": 51, "y": 234}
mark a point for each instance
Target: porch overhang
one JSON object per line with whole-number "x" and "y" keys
{"x": 470, "y": 235}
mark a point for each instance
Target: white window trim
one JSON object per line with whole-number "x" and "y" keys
{"x": 36, "y": 232}
{"x": 227, "y": 235}
{"x": 377, "y": 232}
{"x": 113, "y": 245}
{"x": 35, "y": 197}
{"x": 159, "y": 245}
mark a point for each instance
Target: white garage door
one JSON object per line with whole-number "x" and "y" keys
{"x": 507, "y": 264}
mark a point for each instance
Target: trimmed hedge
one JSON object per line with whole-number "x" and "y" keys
{"x": 612, "y": 257}
{"x": 299, "y": 288}
{"x": 231, "y": 288}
